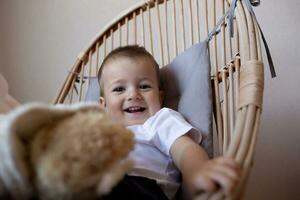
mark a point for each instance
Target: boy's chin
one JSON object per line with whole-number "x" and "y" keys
{"x": 135, "y": 118}
{"x": 134, "y": 122}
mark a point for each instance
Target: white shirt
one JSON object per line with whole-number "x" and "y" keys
{"x": 151, "y": 154}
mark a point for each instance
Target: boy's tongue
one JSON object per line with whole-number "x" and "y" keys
{"x": 134, "y": 109}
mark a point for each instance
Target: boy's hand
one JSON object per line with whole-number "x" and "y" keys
{"x": 223, "y": 173}
{"x": 201, "y": 174}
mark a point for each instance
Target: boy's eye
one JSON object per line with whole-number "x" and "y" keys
{"x": 118, "y": 89}
{"x": 145, "y": 86}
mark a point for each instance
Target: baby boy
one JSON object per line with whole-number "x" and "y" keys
{"x": 166, "y": 145}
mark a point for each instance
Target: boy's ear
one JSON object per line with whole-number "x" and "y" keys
{"x": 161, "y": 97}
{"x": 102, "y": 102}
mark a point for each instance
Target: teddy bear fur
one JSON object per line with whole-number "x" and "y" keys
{"x": 77, "y": 153}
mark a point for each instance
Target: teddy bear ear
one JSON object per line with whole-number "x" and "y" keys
{"x": 27, "y": 119}
{"x": 3, "y": 87}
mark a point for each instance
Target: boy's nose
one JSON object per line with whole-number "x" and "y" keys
{"x": 134, "y": 95}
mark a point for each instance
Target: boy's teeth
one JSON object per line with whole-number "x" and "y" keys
{"x": 134, "y": 109}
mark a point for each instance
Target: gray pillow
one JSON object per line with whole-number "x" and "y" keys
{"x": 93, "y": 91}
{"x": 187, "y": 86}
{"x": 187, "y": 89}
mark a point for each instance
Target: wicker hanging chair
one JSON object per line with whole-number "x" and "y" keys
{"x": 171, "y": 26}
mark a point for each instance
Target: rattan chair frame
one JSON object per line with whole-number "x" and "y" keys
{"x": 237, "y": 70}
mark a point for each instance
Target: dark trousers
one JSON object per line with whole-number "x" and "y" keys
{"x": 136, "y": 188}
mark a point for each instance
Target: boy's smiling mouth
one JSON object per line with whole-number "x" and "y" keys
{"x": 134, "y": 109}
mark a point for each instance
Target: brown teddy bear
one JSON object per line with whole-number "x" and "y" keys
{"x": 61, "y": 152}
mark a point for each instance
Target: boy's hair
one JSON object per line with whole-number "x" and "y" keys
{"x": 130, "y": 51}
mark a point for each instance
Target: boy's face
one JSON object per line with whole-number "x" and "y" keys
{"x": 130, "y": 90}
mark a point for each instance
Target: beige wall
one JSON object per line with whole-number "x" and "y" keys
{"x": 44, "y": 37}
{"x": 276, "y": 173}
{"x": 40, "y": 38}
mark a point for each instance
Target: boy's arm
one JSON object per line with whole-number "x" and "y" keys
{"x": 198, "y": 172}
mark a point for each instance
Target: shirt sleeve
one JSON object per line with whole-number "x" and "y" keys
{"x": 167, "y": 125}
